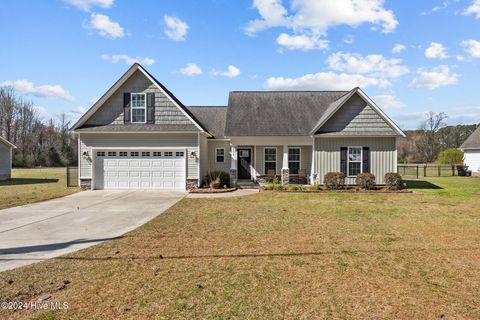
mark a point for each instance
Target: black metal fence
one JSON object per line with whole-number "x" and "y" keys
{"x": 72, "y": 176}
{"x": 427, "y": 170}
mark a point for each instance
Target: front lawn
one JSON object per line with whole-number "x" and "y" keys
{"x": 278, "y": 256}
{"x": 33, "y": 185}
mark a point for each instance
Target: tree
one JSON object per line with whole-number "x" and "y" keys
{"x": 429, "y": 145}
{"x": 450, "y": 156}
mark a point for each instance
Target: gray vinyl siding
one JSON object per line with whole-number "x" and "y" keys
{"x": 139, "y": 140}
{"x": 383, "y": 155}
{"x": 212, "y": 164}
{"x": 203, "y": 155}
{"x": 5, "y": 161}
{"x": 111, "y": 112}
{"x": 356, "y": 116}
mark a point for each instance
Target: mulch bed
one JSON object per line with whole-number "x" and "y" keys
{"x": 209, "y": 190}
{"x": 348, "y": 190}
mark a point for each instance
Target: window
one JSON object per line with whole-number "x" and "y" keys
{"x": 123, "y": 153}
{"x": 168, "y": 154}
{"x": 138, "y": 107}
{"x": 220, "y": 155}
{"x": 157, "y": 154}
{"x": 179, "y": 154}
{"x": 145, "y": 154}
{"x": 354, "y": 161}
{"x": 112, "y": 154}
{"x": 134, "y": 154}
{"x": 100, "y": 154}
{"x": 293, "y": 160}
{"x": 270, "y": 159}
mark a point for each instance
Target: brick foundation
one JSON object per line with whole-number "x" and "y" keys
{"x": 85, "y": 184}
{"x": 233, "y": 177}
{"x": 285, "y": 177}
{"x": 192, "y": 184}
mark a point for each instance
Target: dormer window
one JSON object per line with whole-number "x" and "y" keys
{"x": 139, "y": 107}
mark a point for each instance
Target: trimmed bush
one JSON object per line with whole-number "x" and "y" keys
{"x": 366, "y": 181}
{"x": 393, "y": 181}
{"x": 334, "y": 180}
{"x": 217, "y": 179}
{"x": 294, "y": 187}
{"x": 275, "y": 185}
{"x": 314, "y": 187}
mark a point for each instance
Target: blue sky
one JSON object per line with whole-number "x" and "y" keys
{"x": 409, "y": 56}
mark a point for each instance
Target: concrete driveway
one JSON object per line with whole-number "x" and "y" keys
{"x": 52, "y": 228}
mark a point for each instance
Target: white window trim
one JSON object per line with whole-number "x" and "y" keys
{"x": 348, "y": 160}
{"x": 299, "y": 159}
{"x": 216, "y": 149}
{"x": 144, "y": 108}
{"x": 276, "y": 159}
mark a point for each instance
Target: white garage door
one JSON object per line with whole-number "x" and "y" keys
{"x": 120, "y": 169}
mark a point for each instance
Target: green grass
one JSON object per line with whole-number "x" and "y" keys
{"x": 276, "y": 256}
{"x": 33, "y": 185}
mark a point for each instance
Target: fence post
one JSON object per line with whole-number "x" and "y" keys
{"x": 453, "y": 170}
{"x": 439, "y": 171}
{"x": 417, "y": 171}
{"x": 425, "y": 170}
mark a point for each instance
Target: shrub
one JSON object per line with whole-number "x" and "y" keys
{"x": 275, "y": 185}
{"x": 450, "y": 156}
{"x": 294, "y": 187}
{"x": 314, "y": 187}
{"x": 366, "y": 181}
{"x": 334, "y": 180}
{"x": 217, "y": 179}
{"x": 393, "y": 181}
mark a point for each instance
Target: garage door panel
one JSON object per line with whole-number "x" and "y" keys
{"x": 142, "y": 172}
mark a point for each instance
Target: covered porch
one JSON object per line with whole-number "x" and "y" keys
{"x": 254, "y": 159}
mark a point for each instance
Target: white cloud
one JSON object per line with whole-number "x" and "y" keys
{"x": 86, "y": 5}
{"x": 472, "y": 47}
{"x": 44, "y": 91}
{"x": 316, "y": 17}
{"x": 79, "y": 110}
{"x": 387, "y": 101}
{"x": 191, "y": 70}
{"x": 231, "y": 72}
{"x": 325, "y": 81}
{"x": 104, "y": 26}
{"x": 41, "y": 112}
{"x": 473, "y": 9}
{"x": 349, "y": 39}
{"x": 176, "y": 29}
{"x": 398, "y": 48}
{"x": 373, "y": 64}
{"x": 127, "y": 59}
{"x": 436, "y": 51}
{"x": 301, "y": 42}
{"x": 460, "y": 58}
{"x": 432, "y": 79}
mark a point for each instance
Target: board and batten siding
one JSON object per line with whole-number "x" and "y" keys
{"x": 356, "y": 116}
{"x": 5, "y": 161}
{"x": 111, "y": 111}
{"x": 212, "y": 164}
{"x": 383, "y": 156}
{"x": 140, "y": 140}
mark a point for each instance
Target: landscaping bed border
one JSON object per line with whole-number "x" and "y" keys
{"x": 210, "y": 190}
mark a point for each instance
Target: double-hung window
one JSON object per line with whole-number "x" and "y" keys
{"x": 270, "y": 159}
{"x": 354, "y": 161}
{"x": 219, "y": 155}
{"x": 139, "y": 107}
{"x": 293, "y": 160}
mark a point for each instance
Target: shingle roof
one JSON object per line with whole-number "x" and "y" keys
{"x": 213, "y": 118}
{"x": 265, "y": 113}
{"x": 473, "y": 141}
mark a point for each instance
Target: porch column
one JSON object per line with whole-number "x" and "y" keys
{"x": 233, "y": 165}
{"x": 285, "y": 171}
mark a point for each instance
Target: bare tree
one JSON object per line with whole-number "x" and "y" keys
{"x": 428, "y": 144}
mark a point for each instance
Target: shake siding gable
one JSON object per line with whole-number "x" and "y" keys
{"x": 112, "y": 111}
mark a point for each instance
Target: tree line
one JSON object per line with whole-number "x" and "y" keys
{"x": 38, "y": 143}
{"x": 434, "y": 141}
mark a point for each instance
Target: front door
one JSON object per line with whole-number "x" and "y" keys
{"x": 245, "y": 160}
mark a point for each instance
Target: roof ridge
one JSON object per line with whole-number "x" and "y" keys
{"x": 286, "y": 91}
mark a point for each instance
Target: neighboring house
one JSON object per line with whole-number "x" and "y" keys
{"x": 140, "y": 136}
{"x": 471, "y": 149}
{"x": 6, "y": 151}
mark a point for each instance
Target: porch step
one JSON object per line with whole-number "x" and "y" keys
{"x": 247, "y": 185}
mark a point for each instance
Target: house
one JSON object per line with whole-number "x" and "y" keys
{"x": 138, "y": 135}
{"x": 471, "y": 149}
{"x": 6, "y": 151}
